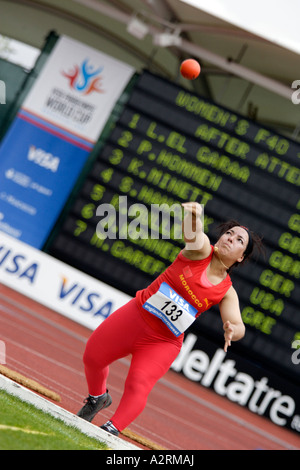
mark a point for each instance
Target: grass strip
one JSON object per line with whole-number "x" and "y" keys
{"x": 24, "y": 427}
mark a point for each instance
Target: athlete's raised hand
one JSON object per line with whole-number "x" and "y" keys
{"x": 228, "y": 334}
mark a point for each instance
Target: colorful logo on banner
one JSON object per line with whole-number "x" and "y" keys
{"x": 43, "y": 153}
{"x": 85, "y": 78}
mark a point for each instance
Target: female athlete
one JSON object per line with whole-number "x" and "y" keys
{"x": 151, "y": 326}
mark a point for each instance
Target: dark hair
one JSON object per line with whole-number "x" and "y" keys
{"x": 254, "y": 245}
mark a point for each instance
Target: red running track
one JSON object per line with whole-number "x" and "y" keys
{"x": 180, "y": 414}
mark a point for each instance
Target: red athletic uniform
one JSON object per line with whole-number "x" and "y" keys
{"x": 133, "y": 329}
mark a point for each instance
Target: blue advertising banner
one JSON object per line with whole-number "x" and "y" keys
{"x": 38, "y": 169}
{"x": 47, "y": 146}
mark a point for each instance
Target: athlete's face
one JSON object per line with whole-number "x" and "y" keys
{"x": 233, "y": 243}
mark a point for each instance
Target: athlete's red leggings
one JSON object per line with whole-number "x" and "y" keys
{"x": 126, "y": 332}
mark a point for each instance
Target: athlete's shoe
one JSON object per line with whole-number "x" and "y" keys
{"x": 109, "y": 427}
{"x": 93, "y": 405}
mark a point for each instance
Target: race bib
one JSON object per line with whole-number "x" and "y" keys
{"x": 171, "y": 308}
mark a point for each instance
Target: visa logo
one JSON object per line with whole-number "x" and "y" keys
{"x": 179, "y": 300}
{"x": 84, "y": 300}
{"x": 44, "y": 159}
{"x": 18, "y": 265}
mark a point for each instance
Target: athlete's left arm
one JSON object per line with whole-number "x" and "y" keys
{"x": 234, "y": 328}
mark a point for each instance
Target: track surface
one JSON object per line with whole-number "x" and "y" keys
{"x": 180, "y": 414}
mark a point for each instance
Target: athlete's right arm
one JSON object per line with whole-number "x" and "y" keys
{"x": 197, "y": 244}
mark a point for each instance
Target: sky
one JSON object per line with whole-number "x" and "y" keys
{"x": 275, "y": 21}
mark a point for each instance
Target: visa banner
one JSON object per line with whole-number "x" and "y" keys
{"x": 56, "y": 285}
{"x": 47, "y": 146}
